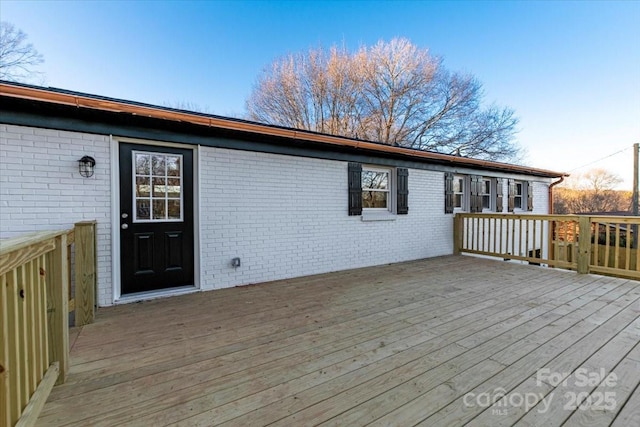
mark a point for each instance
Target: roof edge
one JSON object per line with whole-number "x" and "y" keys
{"x": 82, "y": 100}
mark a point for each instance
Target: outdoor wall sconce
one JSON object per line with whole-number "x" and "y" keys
{"x": 86, "y": 165}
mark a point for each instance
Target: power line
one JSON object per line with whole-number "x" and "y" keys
{"x": 600, "y": 159}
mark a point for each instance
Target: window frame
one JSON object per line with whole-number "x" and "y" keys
{"x": 525, "y": 195}
{"x": 491, "y": 195}
{"x": 390, "y": 190}
{"x": 151, "y": 197}
{"x": 522, "y": 195}
{"x": 464, "y": 193}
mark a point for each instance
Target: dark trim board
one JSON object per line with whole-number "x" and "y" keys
{"x": 61, "y": 117}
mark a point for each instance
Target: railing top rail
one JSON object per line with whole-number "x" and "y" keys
{"x": 616, "y": 219}
{"x": 519, "y": 216}
{"x": 593, "y": 218}
{"x": 16, "y": 243}
{"x": 17, "y": 251}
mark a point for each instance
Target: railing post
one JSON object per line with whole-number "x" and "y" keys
{"x": 85, "y": 272}
{"x": 8, "y": 409}
{"x": 584, "y": 244}
{"x": 57, "y": 280}
{"x": 457, "y": 234}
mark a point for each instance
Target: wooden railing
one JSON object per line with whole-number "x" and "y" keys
{"x": 34, "y": 314}
{"x": 614, "y": 248}
{"x": 597, "y": 244}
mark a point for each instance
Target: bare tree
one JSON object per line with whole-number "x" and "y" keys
{"x": 593, "y": 191}
{"x": 18, "y": 58}
{"x": 187, "y": 106}
{"x": 394, "y": 93}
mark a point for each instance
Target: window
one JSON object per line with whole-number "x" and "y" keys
{"x": 456, "y": 192}
{"x": 157, "y": 194}
{"x": 376, "y": 183}
{"x": 378, "y": 189}
{"x": 472, "y": 193}
{"x": 520, "y": 195}
{"x": 486, "y": 193}
{"x": 459, "y": 191}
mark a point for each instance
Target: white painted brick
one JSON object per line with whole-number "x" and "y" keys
{"x": 284, "y": 216}
{"x": 41, "y": 167}
{"x": 287, "y": 217}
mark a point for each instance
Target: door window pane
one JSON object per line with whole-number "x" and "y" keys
{"x": 173, "y": 188}
{"x": 159, "y": 165}
{"x": 173, "y": 209}
{"x": 157, "y": 186}
{"x": 159, "y": 209}
{"x": 142, "y": 186}
{"x": 173, "y": 165}
{"x": 142, "y": 164}
{"x": 142, "y": 209}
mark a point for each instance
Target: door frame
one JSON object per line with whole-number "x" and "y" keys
{"x": 117, "y": 297}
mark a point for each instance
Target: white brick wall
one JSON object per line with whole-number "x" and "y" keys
{"x": 41, "y": 189}
{"x": 287, "y": 216}
{"x": 540, "y": 197}
{"x": 284, "y": 216}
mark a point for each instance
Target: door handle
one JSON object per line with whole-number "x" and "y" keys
{"x": 124, "y": 226}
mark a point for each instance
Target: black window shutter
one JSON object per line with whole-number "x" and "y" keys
{"x": 499, "y": 194}
{"x": 403, "y": 191}
{"x": 530, "y": 196}
{"x": 355, "y": 189}
{"x": 448, "y": 192}
{"x": 475, "y": 194}
{"x": 512, "y": 195}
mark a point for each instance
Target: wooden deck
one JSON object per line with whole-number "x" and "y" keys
{"x": 431, "y": 342}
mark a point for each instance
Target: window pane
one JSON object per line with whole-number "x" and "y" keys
{"x": 158, "y": 209}
{"x": 458, "y": 185}
{"x": 159, "y": 187}
{"x": 142, "y": 164}
{"x": 142, "y": 209}
{"x": 173, "y": 165}
{"x": 159, "y": 165}
{"x": 374, "y": 199}
{"x": 517, "y": 201}
{"x": 519, "y": 188}
{"x": 487, "y": 187}
{"x": 173, "y": 209}
{"x": 457, "y": 200}
{"x": 173, "y": 187}
{"x": 486, "y": 202}
{"x": 373, "y": 179}
{"x": 142, "y": 187}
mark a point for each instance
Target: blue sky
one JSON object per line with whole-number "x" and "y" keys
{"x": 571, "y": 70}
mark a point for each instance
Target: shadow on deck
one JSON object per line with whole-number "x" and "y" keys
{"x": 429, "y": 342}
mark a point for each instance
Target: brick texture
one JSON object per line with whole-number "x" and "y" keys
{"x": 41, "y": 189}
{"x": 283, "y": 216}
{"x": 287, "y": 216}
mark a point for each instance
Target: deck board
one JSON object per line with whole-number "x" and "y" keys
{"x": 401, "y": 344}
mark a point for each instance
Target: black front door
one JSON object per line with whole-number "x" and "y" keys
{"x": 156, "y": 217}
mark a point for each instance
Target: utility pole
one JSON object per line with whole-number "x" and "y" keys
{"x": 634, "y": 208}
